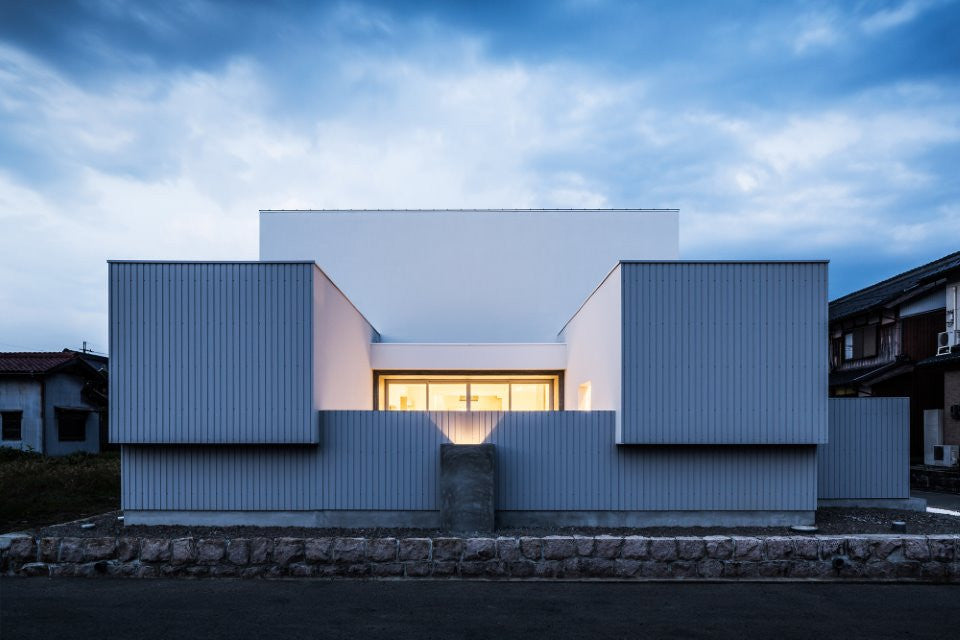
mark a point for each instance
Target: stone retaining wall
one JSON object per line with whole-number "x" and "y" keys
{"x": 865, "y": 557}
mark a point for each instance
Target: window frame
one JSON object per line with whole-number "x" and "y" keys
{"x": 550, "y": 382}
{"x": 854, "y": 341}
{"x": 3, "y": 425}
{"x": 62, "y": 412}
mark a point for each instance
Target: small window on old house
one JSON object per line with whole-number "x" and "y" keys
{"x": 71, "y": 425}
{"x": 12, "y": 421}
{"x": 860, "y": 343}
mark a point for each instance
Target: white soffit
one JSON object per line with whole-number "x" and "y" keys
{"x": 546, "y": 356}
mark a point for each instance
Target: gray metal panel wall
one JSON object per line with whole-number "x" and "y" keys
{"x": 724, "y": 353}
{"x": 211, "y": 353}
{"x": 868, "y": 455}
{"x": 378, "y": 460}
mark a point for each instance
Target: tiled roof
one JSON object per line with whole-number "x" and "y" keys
{"x": 865, "y": 375}
{"x": 34, "y": 361}
{"x": 880, "y": 294}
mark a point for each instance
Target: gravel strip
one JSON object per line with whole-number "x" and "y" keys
{"x": 829, "y": 521}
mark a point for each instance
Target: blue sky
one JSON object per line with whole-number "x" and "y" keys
{"x": 157, "y": 130}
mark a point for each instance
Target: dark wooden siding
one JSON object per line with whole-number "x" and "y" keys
{"x": 887, "y": 350}
{"x": 919, "y": 334}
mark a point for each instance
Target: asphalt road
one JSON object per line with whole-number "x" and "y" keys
{"x": 941, "y": 500}
{"x": 118, "y": 608}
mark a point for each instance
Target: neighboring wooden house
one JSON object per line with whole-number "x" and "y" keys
{"x": 900, "y": 337}
{"x": 53, "y": 402}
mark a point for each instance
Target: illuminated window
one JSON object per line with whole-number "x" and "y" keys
{"x": 447, "y": 396}
{"x": 529, "y": 396}
{"x": 489, "y": 396}
{"x": 407, "y": 397}
{"x": 495, "y": 393}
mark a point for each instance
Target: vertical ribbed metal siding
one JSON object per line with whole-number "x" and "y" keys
{"x": 724, "y": 353}
{"x": 868, "y": 455}
{"x": 374, "y": 460}
{"x": 211, "y": 353}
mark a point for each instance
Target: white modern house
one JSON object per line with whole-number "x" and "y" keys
{"x": 617, "y": 384}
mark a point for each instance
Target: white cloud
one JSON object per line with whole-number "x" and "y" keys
{"x": 176, "y": 165}
{"x": 886, "y": 19}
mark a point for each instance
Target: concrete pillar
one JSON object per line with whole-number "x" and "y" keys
{"x": 466, "y": 487}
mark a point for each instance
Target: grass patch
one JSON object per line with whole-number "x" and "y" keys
{"x": 38, "y": 491}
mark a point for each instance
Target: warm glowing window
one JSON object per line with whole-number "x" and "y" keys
{"x": 473, "y": 394}
{"x": 407, "y": 397}
{"x": 489, "y": 396}
{"x": 447, "y": 396}
{"x": 529, "y": 396}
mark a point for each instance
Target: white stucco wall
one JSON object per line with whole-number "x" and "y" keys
{"x": 23, "y": 395}
{"x": 546, "y": 356}
{"x": 342, "y": 371}
{"x": 594, "y": 348}
{"x": 468, "y": 276}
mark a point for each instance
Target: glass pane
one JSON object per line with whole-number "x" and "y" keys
{"x": 489, "y": 396}
{"x": 407, "y": 397}
{"x": 530, "y": 396}
{"x": 448, "y": 396}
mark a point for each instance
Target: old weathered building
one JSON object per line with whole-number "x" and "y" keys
{"x": 899, "y": 337}
{"x": 54, "y": 403}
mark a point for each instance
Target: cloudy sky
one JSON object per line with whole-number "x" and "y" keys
{"x": 157, "y": 130}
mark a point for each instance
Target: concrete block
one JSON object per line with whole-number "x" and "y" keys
{"x": 467, "y": 487}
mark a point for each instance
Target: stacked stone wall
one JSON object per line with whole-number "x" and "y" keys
{"x": 934, "y": 558}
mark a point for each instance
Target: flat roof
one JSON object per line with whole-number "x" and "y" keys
{"x": 460, "y": 210}
{"x": 313, "y": 262}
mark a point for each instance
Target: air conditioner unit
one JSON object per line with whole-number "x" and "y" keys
{"x": 932, "y": 433}
{"x": 946, "y": 340}
{"x": 945, "y": 455}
